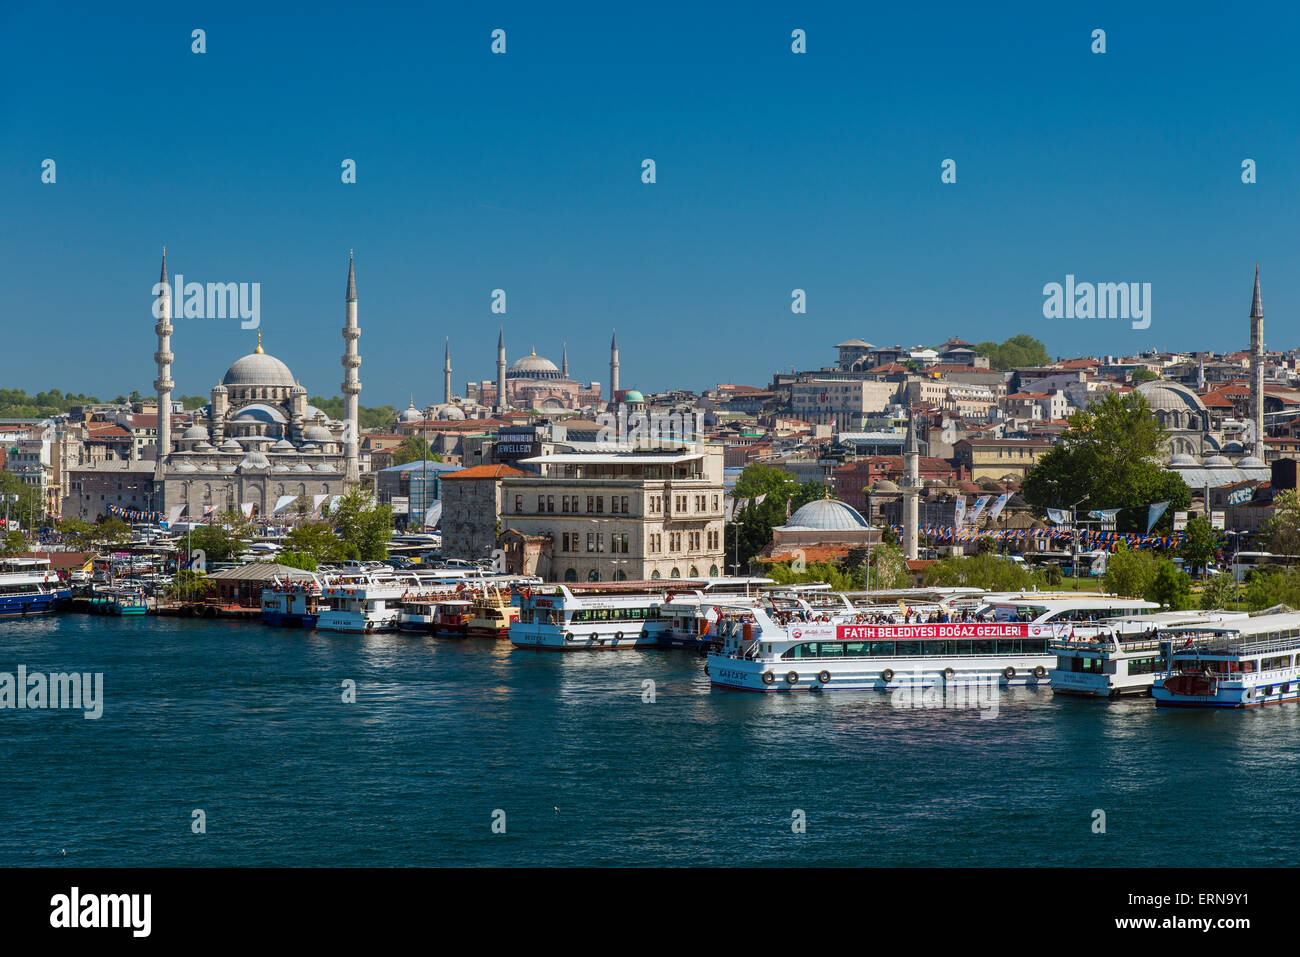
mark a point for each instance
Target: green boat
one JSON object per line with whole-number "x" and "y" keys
{"x": 118, "y": 601}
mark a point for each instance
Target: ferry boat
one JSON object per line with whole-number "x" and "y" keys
{"x": 1236, "y": 664}
{"x": 491, "y": 614}
{"x": 293, "y": 604}
{"x": 760, "y": 654}
{"x": 444, "y": 617}
{"x": 1124, "y": 655}
{"x": 362, "y": 603}
{"x": 581, "y": 617}
{"x": 118, "y": 600}
{"x": 28, "y": 586}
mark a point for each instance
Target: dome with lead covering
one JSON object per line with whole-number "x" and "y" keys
{"x": 533, "y": 367}
{"x": 828, "y": 514}
{"x": 258, "y": 368}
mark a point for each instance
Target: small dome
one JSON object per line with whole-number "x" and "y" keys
{"x": 451, "y": 413}
{"x": 632, "y": 395}
{"x": 302, "y": 467}
{"x": 317, "y": 433}
{"x": 207, "y": 467}
{"x": 1217, "y": 461}
{"x": 1250, "y": 462}
{"x": 828, "y": 514}
{"x": 195, "y": 432}
{"x": 255, "y": 460}
{"x": 410, "y": 414}
{"x": 323, "y": 468}
{"x": 230, "y": 445}
{"x": 280, "y": 468}
{"x": 284, "y": 445}
{"x": 1166, "y": 396}
{"x": 885, "y": 485}
{"x": 184, "y": 467}
{"x": 1184, "y": 460}
{"x": 203, "y": 447}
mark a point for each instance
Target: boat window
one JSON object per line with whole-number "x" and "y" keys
{"x": 1271, "y": 664}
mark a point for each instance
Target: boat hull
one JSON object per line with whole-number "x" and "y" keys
{"x": 24, "y": 606}
{"x": 594, "y": 639}
{"x": 876, "y": 674}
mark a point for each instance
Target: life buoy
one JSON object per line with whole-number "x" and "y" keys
{"x": 824, "y": 677}
{"x": 768, "y": 677}
{"x": 887, "y": 675}
{"x": 1040, "y": 672}
{"x": 1009, "y": 672}
{"x": 792, "y": 677}
{"x": 948, "y": 674}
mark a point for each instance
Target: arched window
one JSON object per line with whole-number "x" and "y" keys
{"x": 571, "y": 575}
{"x": 654, "y": 575}
{"x": 620, "y": 575}
{"x": 713, "y": 571}
{"x": 695, "y": 572}
{"x": 675, "y": 573}
{"x": 593, "y": 576}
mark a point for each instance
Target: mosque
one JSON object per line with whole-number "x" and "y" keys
{"x": 258, "y": 445}
{"x": 535, "y": 383}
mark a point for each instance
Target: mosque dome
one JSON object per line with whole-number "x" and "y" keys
{"x": 411, "y": 414}
{"x": 318, "y": 434}
{"x": 451, "y": 413}
{"x": 828, "y": 514}
{"x": 184, "y": 467}
{"x": 533, "y": 367}
{"x": 1183, "y": 460}
{"x": 284, "y": 445}
{"x": 230, "y": 445}
{"x": 255, "y": 460}
{"x": 258, "y": 368}
{"x": 195, "y": 432}
{"x": 1250, "y": 462}
{"x": 1218, "y": 461}
{"x": 885, "y": 485}
{"x": 258, "y": 412}
{"x": 1166, "y": 396}
{"x": 632, "y": 395}
{"x": 302, "y": 467}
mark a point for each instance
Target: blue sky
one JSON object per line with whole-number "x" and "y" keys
{"x": 523, "y": 172}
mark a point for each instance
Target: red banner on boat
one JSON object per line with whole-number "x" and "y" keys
{"x": 942, "y": 630}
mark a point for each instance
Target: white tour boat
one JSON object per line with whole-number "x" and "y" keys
{"x": 1236, "y": 664}
{"x": 580, "y": 617}
{"x": 1124, "y": 655}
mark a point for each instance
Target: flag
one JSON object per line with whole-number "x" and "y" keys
{"x": 1153, "y": 514}
{"x": 1058, "y": 515}
{"x": 999, "y": 505}
{"x": 959, "y": 514}
{"x": 977, "y": 508}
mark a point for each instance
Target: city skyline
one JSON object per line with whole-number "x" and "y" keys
{"x": 775, "y": 171}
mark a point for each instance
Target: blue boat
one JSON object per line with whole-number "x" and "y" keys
{"x": 29, "y": 587}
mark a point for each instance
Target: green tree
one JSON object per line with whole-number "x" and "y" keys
{"x": 224, "y": 539}
{"x": 1108, "y": 458}
{"x": 317, "y": 540}
{"x": 1283, "y": 529}
{"x": 80, "y": 535}
{"x": 414, "y": 448}
{"x": 12, "y": 543}
{"x": 1219, "y": 592}
{"x": 1169, "y": 586}
{"x": 981, "y": 570}
{"x": 189, "y": 585}
{"x": 364, "y": 524}
{"x": 112, "y": 531}
{"x": 1267, "y": 587}
{"x": 1129, "y": 573}
{"x": 296, "y": 560}
{"x": 888, "y": 567}
{"x": 1201, "y": 542}
{"x": 756, "y": 520}
{"x": 1017, "y": 352}
{"x": 1142, "y": 375}
{"x": 840, "y": 579}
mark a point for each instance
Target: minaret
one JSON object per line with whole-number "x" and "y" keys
{"x": 911, "y": 487}
{"x": 564, "y": 360}
{"x": 1200, "y": 373}
{"x": 446, "y": 375}
{"x": 163, "y": 357}
{"x": 613, "y": 367}
{"x": 501, "y": 370}
{"x": 1257, "y": 368}
{"x": 351, "y": 384}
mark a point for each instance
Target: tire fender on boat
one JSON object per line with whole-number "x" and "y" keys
{"x": 948, "y": 674}
{"x": 1040, "y": 672}
{"x": 618, "y": 636}
{"x": 824, "y": 677}
{"x": 768, "y": 677}
{"x": 1009, "y": 672}
{"x": 887, "y": 675}
{"x": 792, "y": 677}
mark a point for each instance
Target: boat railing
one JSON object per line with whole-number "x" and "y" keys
{"x": 1228, "y": 645}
